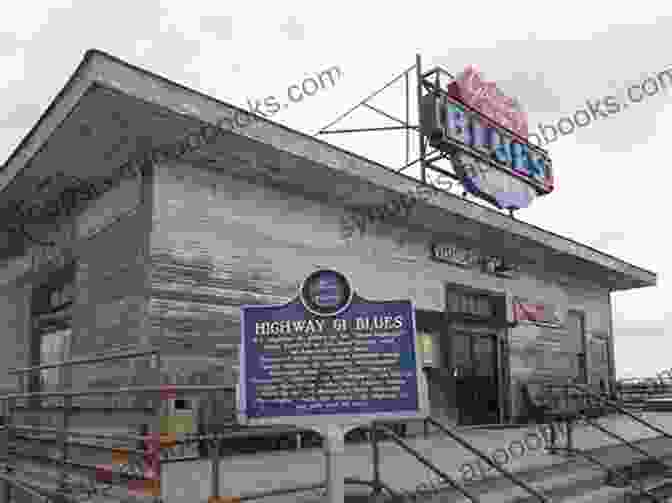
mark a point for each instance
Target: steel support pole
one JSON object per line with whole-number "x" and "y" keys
{"x": 334, "y": 448}
{"x": 418, "y": 73}
{"x": 375, "y": 449}
{"x": 408, "y": 118}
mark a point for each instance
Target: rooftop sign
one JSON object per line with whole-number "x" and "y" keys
{"x": 485, "y": 134}
{"x": 471, "y": 88}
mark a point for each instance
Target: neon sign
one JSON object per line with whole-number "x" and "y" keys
{"x": 484, "y": 132}
{"x": 471, "y": 88}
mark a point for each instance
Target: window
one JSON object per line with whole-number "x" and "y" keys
{"x": 469, "y": 304}
{"x": 53, "y": 349}
{"x": 51, "y": 325}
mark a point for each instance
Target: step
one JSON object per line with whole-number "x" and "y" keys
{"x": 559, "y": 483}
{"x": 661, "y": 488}
{"x": 605, "y": 494}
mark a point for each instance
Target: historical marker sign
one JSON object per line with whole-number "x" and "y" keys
{"x": 329, "y": 357}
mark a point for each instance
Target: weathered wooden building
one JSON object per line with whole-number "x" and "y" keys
{"x": 100, "y": 254}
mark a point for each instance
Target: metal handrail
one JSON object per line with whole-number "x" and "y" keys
{"x": 80, "y": 485}
{"x": 513, "y": 478}
{"x": 374, "y": 484}
{"x": 623, "y": 441}
{"x": 84, "y": 434}
{"x": 95, "y": 469}
{"x": 63, "y": 437}
{"x": 47, "y": 497}
{"x": 93, "y": 359}
{"x": 279, "y": 492}
{"x": 455, "y": 484}
{"x": 303, "y": 488}
{"x": 609, "y": 469}
{"x": 128, "y": 450}
{"x": 164, "y": 388}
{"x": 620, "y": 409}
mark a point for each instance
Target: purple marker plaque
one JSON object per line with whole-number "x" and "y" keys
{"x": 359, "y": 363}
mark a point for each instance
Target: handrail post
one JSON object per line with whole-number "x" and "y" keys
{"x": 214, "y": 482}
{"x": 11, "y": 439}
{"x": 570, "y": 439}
{"x": 376, "y": 458}
{"x": 158, "y": 409}
{"x": 62, "y": 435}
{"x": 6, "y": 495}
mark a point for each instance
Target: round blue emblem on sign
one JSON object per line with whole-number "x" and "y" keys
{"x": 326, "y": 293}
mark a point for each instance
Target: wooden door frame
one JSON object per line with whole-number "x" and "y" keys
{"x": 498, "y": 328}
{"x": 584, "y": 344}
{"x": 495, "y": 337}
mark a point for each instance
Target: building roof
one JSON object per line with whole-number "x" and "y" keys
{"x": 115, "y": 99}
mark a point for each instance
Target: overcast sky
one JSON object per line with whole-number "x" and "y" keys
{"x": 551, "y": 56}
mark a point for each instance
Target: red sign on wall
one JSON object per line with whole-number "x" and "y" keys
{"x": 536, "y": 312}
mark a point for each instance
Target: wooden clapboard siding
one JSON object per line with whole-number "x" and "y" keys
{"x": 14, "y": 315}
{"x": 111, "y": 302}
{"x": 220, "y": 242}
{"x": 214, "y": 251}
{"x": 597, "y": 308}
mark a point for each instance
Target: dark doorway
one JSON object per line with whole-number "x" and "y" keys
{"x": 476, "y": 369}
{"x": 476, "y": 319}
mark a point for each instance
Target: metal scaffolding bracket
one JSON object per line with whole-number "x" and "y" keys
{"x": 430, "y": 81}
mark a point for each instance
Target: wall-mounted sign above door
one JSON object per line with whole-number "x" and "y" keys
{"x": 537, "y": 313}
{"x": 470, "y": 258}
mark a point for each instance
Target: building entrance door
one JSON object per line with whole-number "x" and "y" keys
{"x": 476, "y": 372}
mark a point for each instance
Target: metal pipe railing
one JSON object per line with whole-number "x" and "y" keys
{"x": 624, "y": 441}
{"x": 84, "y": 434}
{"x": 609, "y": 469}
{"x": 128, "y": 450}
{"x": 41, "y": 494}
{"x": 513, "y": 478}
{"x": 182, "y": 389}
{"x": 456, "y": 485}
{"x": 93, "y": 359}
{"x": 620, "y": 409}
{"x": 373, "y": 484}
{"x": 280, "y": 492}
{"x": 92, "y": 469}
{"x": 62, "y": 436}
